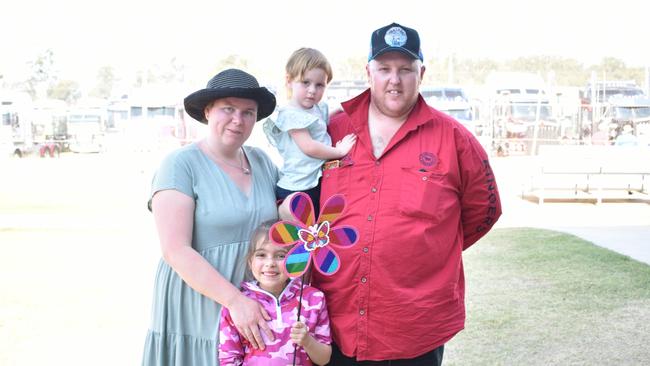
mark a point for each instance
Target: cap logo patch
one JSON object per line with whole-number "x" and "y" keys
{"x": 395, "y": 37}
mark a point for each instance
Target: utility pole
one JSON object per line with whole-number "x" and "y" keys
{"x": 450, "y": 69}
{"x": 647, "y": 80}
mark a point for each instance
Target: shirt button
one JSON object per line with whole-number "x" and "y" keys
{"x": 361, "y": 312}
{"x": 364, "y": 280}
{"x": 369, "y": 217}
{"x": 327, "y": 175}
{"x": 424, "y": 178}
{"x": 373, "y": 189}
{"x": 365, "y": 249}
{"x": 377, "y": 162}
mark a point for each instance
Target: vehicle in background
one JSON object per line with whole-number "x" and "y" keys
{"x": 16, "y": 113}
{"x": 517, "y": 113}
{"x": 152, "y": 119}
{"x": 631, "y": 110}
{"x": 521, "y": 115}
{"x": 86, "y": 127}
{"x": 600, "y": 96}
{"x": 602, "y": 91}
{"x": 341, "y": 90}
{"x": 453, "y": 101}
{"x": 50, "y": 127}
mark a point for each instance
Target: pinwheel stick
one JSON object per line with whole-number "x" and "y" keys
{"x": 302, "y": 285}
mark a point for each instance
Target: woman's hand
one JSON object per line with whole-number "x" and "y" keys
{"x": 250, "y": 318}
{"x": 300, "y": 334}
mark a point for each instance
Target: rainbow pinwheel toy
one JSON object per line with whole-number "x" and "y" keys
{"x": 313, "y": 240}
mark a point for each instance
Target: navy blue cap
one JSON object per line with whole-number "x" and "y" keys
{"x": 395, "y": 37}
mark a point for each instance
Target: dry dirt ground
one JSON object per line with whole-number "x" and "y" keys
{"x": 78, "y": 259}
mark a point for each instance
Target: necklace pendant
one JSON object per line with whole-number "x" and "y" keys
{"x": 246, "y": 171}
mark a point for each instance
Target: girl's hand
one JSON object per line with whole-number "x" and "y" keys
{"x": 319, "y": 353}
{"x": 250, "y": 318}
{"x": 300, "y": 334}
{"x": 344, "y": 145}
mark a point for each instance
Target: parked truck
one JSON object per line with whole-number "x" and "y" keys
{"x": 85, "y": 128}
{"x": 453, "y": 101}
{"x": 633, "y": 111}
{"x": 341, "y": 90}
{"x": 50, "y": 127}
{"x": 16, "y": 135}
{"x": 28, "y": 127}
{"x": 521, "y": 116}
{"x": 599, "y": 98}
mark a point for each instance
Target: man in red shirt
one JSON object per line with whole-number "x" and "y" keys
{"x": 420, "y": 190}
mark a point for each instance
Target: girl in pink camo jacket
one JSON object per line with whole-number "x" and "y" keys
{"x": 279, "y": 296}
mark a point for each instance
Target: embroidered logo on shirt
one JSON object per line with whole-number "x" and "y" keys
{"x": 428, "y": 159}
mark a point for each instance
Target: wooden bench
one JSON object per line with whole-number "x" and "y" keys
{"x": 594, "y": 173}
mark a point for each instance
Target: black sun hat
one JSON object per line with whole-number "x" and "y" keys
{"x": 230, "y": 83}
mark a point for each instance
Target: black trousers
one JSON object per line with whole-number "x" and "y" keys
{"x": 432, "y": 358}
{"x": 313, "y": 193}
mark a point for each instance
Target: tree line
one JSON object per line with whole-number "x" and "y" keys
{"x": 44, "y": 80}
{"x": 468, "y": 71}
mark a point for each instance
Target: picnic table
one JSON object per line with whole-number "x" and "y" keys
{"x": 595, "y": 173}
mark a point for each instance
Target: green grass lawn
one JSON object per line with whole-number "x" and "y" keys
{"x": 538, "y": 297}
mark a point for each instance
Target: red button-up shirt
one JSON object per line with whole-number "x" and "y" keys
{"x": 430, "y": 195}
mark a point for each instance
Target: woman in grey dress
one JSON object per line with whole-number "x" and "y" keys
{"x": 206, "y": 199}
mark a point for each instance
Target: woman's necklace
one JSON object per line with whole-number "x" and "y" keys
{"x": 241, "y": 166}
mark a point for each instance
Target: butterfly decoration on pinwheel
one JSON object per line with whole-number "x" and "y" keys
{"x": 313, "y": 240}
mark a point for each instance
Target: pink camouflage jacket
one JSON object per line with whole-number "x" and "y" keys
{"x": 235, "y": 350}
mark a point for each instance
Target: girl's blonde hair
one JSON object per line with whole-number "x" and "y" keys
{"x": 260, "y": 235}
{"x": 305, "y": 59}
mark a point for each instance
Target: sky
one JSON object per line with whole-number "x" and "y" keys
{"x": 135, "y": 34}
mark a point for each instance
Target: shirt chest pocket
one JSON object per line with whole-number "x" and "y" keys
{"x": 335, "y": 180}
{"x": 424, "y": 194}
